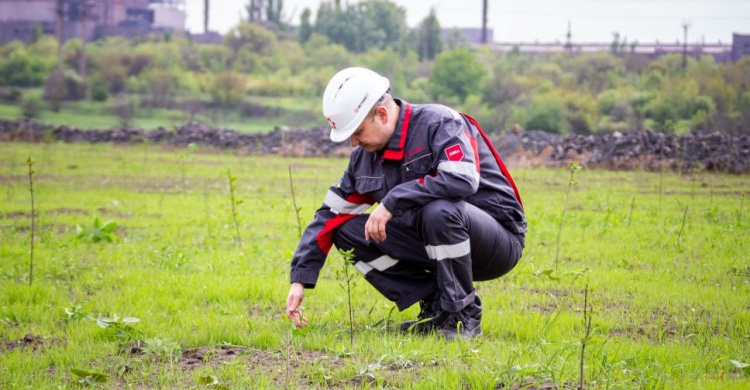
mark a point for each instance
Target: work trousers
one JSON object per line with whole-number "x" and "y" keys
{"x": 451, "y": 245}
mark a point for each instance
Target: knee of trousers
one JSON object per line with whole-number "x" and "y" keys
{"x": 351, "y": 234}
{"x": 439, "y": 214}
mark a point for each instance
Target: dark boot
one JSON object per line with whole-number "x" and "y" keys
{"x": 466, "y": 323}
{"x": 429, "y": 318}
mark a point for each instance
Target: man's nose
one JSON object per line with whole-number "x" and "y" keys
{"x": 353, "y": 141}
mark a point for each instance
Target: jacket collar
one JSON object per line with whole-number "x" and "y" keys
{"x": 395, "y": 148}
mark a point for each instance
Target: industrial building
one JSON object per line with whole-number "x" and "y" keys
{"x": 93, "y": 19}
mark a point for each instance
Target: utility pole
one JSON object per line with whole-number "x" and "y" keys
{"x": 60, "y": 11}
{"x": 685, "y": 26}
{"x": 484, "y": 22}
{"x": 85, "y": 11}
{"x": 205, "y": 17}
{"x": 569, "y": 39}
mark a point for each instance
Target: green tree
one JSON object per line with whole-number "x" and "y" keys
{"x": 22, "y": 68}
{"x": 362, "y": 26}
{"x": 252, "y": 37}
{"x": 305, "y": 27}
{"x": 456, "y": 74}
{"x": 227, "y": 89}
{"x": 429, "y": 41}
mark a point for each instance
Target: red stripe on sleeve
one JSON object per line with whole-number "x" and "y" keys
{"x": 475, "y": 148}
{"x": 325, "y": 237}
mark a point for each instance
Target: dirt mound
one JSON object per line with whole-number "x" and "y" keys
{"x": 28, "y": 341}
{"x": 637, "y": 149}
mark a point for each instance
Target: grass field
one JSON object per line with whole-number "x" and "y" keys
{"x": 669, "y": 273}
{"x": 87, "y": 114}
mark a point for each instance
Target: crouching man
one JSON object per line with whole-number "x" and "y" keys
{"x": 448, "y": 212}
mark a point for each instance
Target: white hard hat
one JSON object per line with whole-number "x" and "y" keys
{"x": 348, "y": 98}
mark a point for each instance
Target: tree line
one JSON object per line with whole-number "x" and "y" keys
{"x": 557, "y": 92}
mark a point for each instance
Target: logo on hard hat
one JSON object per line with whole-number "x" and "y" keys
{"x": 333, "y": 124}
{"x": 356, "y": 110}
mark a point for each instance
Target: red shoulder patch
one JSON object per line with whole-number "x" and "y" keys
{"x": 455, "y": 153}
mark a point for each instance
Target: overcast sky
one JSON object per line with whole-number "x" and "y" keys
{"x": 541, "y": 20}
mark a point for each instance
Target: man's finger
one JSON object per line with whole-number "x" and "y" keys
{"x": 367, "y": 227}
{"x": 289, "y": 301}
{"x": 292, "y": 302}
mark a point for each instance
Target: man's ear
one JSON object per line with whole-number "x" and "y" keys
{"x": 382, "y": 114}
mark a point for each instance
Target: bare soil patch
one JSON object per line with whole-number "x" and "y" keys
{"x": 29, "y": 341}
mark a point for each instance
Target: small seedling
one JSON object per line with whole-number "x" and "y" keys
{"x": 98, "y": 232}
{"x": 122, "y": 326}
{"x": 574, "y": 167}
{"x": 630, "y": 215}
{"x": 347, "y": 283}
{"x": 294, "y": 199}
{"x": 30, "y": 163}
{"x": 587, "y": 314}
{"x": 684, "y": 216}
{"x": 235, "y": 203}
{"x": 75, "y": 313}
{"x": 91, "y": 378}
{"x": 212, "y": 382}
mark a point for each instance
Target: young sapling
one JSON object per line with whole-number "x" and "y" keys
{"x": 235, "y": 202}
{"x": 684, "y": 216}
{"x": 630, "y": 215}
{"x": 574, "y": 167}
{"x": 587, "y": 314}
{"x": 294, "y": 200}
{"x": 30, "y": 163}
{"x": 347, "y": 284}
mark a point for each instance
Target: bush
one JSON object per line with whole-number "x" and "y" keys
{"x": 31, "y": 108}
{"x": 547, "y": 116}
{"x": 662, "y": 112}
{"x": 62, "y": 86}
{"x": 99, "y": 93}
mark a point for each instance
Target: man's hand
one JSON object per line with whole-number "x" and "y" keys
{"x": 293, "y": 302}
{"x": 375, "y": 226}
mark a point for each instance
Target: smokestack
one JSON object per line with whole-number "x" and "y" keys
{"x": 484, "y": 22}
{"x": 205, "y": 17}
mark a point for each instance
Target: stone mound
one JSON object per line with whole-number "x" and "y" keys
{"x": 630, "y": 150}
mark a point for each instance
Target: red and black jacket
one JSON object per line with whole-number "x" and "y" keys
{"x": 434, "y": 153}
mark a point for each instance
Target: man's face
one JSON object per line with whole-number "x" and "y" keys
{"x": 373, "y": 134}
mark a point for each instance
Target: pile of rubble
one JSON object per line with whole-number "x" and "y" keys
{"x": 637, "y": 149}
{"x": 641, "y": 149}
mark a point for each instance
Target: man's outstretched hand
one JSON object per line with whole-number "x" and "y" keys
{"x": 375, "y": 225}
{"x": 293, "y": 302}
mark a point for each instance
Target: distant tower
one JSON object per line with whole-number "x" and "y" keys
{"x": 569, "y": 39}
{"x": 685, "y": 26}
{"x": 484, "y": 22}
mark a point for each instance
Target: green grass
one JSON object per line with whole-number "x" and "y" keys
{"x": 86, "y": 114}
{"x": 668, "y": 313}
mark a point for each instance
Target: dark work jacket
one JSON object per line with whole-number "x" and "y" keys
{"x": 434, "y": 153}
